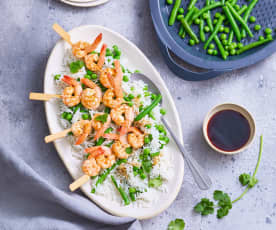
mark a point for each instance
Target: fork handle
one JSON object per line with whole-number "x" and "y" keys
{"x": 200, "y": 176}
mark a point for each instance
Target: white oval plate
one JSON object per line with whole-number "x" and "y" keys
{"x": 84, "y": 3}
{"x": 136, "y": 60}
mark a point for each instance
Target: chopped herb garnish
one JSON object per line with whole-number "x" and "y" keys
{"x": 155, "y": 182}
{"x": 76, "y": 66}
{"x": 57, "y": 77}
{"x": 177, "y": 224}
{"x": 101, "y": 118}
{"x": 100, "y": 141}
{"x": 108, "y": 130}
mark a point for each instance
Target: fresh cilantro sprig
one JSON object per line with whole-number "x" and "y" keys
{"x": 177, "y": 224}
{"x": 224, "y": 203}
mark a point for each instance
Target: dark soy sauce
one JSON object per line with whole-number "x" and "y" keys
{"x": 228, "y": 130}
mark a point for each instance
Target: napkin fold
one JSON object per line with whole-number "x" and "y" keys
{"x": 28, "y": 201}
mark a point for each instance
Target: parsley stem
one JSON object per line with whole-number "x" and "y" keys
{"x": 255, "y": 171}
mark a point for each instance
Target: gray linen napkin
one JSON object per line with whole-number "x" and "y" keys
{"x": 27, "y": 201}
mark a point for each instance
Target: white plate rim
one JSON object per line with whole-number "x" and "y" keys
{"x": 179, "y": 134}
{"x": 85, "y": 4}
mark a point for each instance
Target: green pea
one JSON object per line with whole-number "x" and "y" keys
{"x": 232, "y": 51}
{"x": 94, "y": 76}
{"x": 226, "y": 53}
{"x": 153, "y": 96}
{"x": 146, "y": 151}
{"x": 89, "y": 72}
{"x": 192, "y": 42}
{"x": 215, "y": 21}
{"x": 69, "y": 116}
{"x": 205, "y": 16}
{"x": 197, "y": 21}
{"x": 217, "y": 15}
{"x": 252, "y": 19}
{"x": 210, "y": 51}
{"x": 108, "y": 52}
{"x": 261, "y": 38}
{"x": 227, "y": 47}
{"x": 148, "y": 126}
{"x": 269, "y": 36}
{"x": 115, "y": 47}
{"x": 257, "y": 27}
{"x": 130, "y": 103}
{"x": 63, "y": 115}
{"x": 87, "y": 76}
{"x": 206, "y": 29}
{"x": 221, "y": 28}
{"x": 85, "y": 116}
{"x": 169, "y": 2}
{"x": 215, "y": 52}
{"x": 125, "y": 78}
{"x": 240, "y": 45}
{"x": 268, "y": 31}
{"x": 211, "y": 46}
{"x": 224, "y": 42}
{"x": 237, "y": 7}
{"x": 130, "y": 96}
{"x": 226, "y": 30}
{"x": 234, "y": 45}
{"x": 178, "y": 17}
{"x": 163, "y": 111}
{"x": 146, "y": 140}
{"x": 223, "y": 36}
{"x": 181, "y": 11}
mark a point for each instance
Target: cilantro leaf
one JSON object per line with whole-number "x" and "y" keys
{"x": 155, "y": 182}
{"x": 222, "y": 212}
{"x": 204, "y": 207}
{"x": 101, "y": 118}
{"x": 253, "y": 181}
{"x": 218, "y": 195}
{"x": 177, "y": 224}
{"x": 76, "y": 66}
{"x": 244, "y": 179}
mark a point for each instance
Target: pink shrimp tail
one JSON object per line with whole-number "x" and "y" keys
{"x": 102, "y": 56}
{"x": 68, "y": 80}
{"x": 118, "y": 79}
{"x": 95, "y": 44}
{"x": 111, "y": 136}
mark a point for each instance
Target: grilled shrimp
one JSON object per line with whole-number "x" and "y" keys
{"x": 91, "y": 97}
{"x": 103, "y": 155}
{"x": 110, "y": 100}
{"x": 135, "y": 137}
{"x": 90, "y": 167}
{"x": 119, "y": 149}
{"x": 105, "y": 77}
{"x": 99, "y": 126}
{"x": 94, "y": 62}
{"x": 123, "y": 116}
{"x": 71, "y": 95}
{"x": 81, "y": 129}
{"x": 81, "y": 49}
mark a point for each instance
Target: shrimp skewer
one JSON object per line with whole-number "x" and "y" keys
{"x": 100, "y": 126}
{"x": 100, "y": 157}
{"x": 79, "y": 49}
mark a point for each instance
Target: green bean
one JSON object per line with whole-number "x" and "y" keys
{"x": 242, "y": 10}
{"x": 189, "y": 30}
{"x": 223, "y": 2}
{"x": 216, "y": 38}
{"x": 181, "y": 31}
{"x": 232, "y": 22}
{"x": 230, "y": 38}
{"x": 192, "y": 4}
{"x": 149, "y": 108}
{"x": 247, "y": 13}
{"x": 188, "y": 17}
{"x": 201, "y": 30}
{"x": 234, "y": 2}
{"x": 215, "y": 31}
{"x": 253, "y": 45}
{"x": 240, "y": 19}
{"x": 206, "y": 8}
{"x": 121, "y": 191}
{"x": 173, "y": 15}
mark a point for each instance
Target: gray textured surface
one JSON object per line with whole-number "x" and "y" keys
{"x": 26, "y": 39}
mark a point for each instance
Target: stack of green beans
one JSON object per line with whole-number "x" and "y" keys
{"x": 227, "y": 29}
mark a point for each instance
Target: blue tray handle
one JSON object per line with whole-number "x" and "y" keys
{"x": 187, "y": 74}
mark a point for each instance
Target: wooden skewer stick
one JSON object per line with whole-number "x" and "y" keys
{"x": 56, "y": 136}
{"x": 43, "y": 96}
{"x": 79, "y": 182}
{"x": 62, "y": 33}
